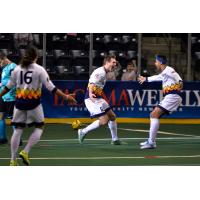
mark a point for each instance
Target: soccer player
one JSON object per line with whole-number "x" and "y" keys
{"x": 8, "y": 100}
{"x": 172, "y": 85}
{"x": 96, "y": 105}
{"x": 28, "y": 78}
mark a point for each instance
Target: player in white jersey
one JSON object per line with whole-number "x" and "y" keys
{"x": 96, "y": 105}
{"x": 172, "y": 85}
{"x": 28, "y": 78}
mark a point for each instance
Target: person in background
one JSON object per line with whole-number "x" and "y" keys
{"x": 131, "y": 72}
{"x": 22, "y": 40}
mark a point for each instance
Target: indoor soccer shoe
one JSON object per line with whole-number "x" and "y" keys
{"x": 13, "y": 163}
{"x": 116, "y": 142}
{"x": 147, "y": 145}
{"x": 24, "y": 156}
{"x": 81, "y": 136}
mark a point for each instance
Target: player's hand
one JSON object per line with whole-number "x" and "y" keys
{"x": 92, "y": 97}
{"x": 70, "y": 98}
{"x": 141, "y": 79}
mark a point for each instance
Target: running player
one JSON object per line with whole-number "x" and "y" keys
{"x": 172, "y": 85}
{"x": 96, "y": 105}
{"x": 28, "y": 78}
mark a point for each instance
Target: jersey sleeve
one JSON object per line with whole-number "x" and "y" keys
{"x": 176, "y": 77}
{"x": 46, "y": 80}
{"x": 95, "y": 77}
{"x": 154, "y": 78}
{"x": 12, "y": 80}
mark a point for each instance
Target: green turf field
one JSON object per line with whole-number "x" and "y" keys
{"x": 177, "y": 145}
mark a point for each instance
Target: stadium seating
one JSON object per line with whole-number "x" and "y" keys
{"x": 68, "y": 54}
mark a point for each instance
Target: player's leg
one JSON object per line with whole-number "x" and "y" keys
{"x": 98, "y": 110}
{"x": 9, "y": 111}
{"x": 19, "y": 119}
{"x": 112, "y": 124}
{"x": 169, "y": 104}
{"x": 14, "y": 144}
{"x": 154, "y": 126}
{"x": 3, "y": 137}
{"x": 35, "y": 118}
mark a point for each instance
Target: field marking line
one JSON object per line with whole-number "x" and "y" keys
{"x": 109, "y": 157}
{"x": 161, "y": 132}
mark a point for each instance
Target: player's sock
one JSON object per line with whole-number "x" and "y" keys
{"x": 154, "y": 126}
{"x": 21, "y": 142}
{"x": 91, "y": 127}
{"x": 2, "y": 127}
{"x": 33, "y": 139}
{"x": 113, "y": 129}
{"x": 15, "y": 142}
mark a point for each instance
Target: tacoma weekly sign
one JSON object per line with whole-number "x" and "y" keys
{"x": 128, "y": 100}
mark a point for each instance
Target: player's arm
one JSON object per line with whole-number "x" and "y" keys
{"x": 177, "y": 79}
{"x": 91, "y": 92}
{"x": 11, "y": 83}
{"x": 52, "y": 88}
{"x": 4, "y": 91}
{"x": 142, "y": 79}
{"x": 69, "y": 98}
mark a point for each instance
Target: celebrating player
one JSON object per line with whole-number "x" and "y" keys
{"x": 96, "y": 105}
{"x": 172, "y": 85}
{"x": 28, "y": 78}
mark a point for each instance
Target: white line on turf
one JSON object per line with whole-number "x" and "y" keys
{"x": 108, "y": 139}
{"x": 161, "y": 132}
{"x": 102, "y": 158}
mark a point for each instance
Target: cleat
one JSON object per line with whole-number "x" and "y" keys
{"x": 24, "y": 156}
{"x": 147, "y": 145}
{"x": 13, "y": 163}
{"x": 81, "y": 136}
{"x": 3, "y": 141}
{"x": 116, "y": 142}
{"x": 147, "y": 142}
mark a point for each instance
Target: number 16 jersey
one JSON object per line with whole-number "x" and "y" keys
{"x": 28, "y": 82}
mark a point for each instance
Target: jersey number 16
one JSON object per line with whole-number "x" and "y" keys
{"x": 26, "y": 77}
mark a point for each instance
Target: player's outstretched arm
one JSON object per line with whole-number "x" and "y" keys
{"x": 69, "y": 98}
{"x": 141, "y": 79}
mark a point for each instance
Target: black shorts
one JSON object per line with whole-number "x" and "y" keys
{"x": 7, "y": 107}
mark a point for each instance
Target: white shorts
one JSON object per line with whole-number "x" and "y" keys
{"x": 170, "y": 103}
{"x": 98, "y": 108}
{"x": 29, "y": 117}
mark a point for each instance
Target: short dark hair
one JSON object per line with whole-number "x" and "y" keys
{"x": 130, "y": 63}
{"x": 108, "y": 58}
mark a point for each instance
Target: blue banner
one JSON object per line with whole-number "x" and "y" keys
{"x": 128, "y": 99}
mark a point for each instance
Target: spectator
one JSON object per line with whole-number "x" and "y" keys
{"x": 131, "y": 72}
{"x": 22, "y": 40}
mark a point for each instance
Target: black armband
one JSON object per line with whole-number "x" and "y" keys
{"x": 54, "y": 90}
